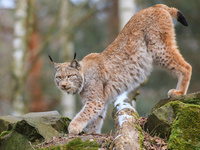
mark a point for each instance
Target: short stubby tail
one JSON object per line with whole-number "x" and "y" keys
{"x": 181, "y": 18}
{"x": 175, "y": 13}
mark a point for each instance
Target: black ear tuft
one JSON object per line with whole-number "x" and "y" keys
{"x": 75, "y": 55}
{"x": 51, "y": 58}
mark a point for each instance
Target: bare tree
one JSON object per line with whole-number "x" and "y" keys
{"x": 126, "y": 10}
{"x": 20, "y": 47}
{"x": 35, "y": 90}
{"x": 67, "y": 101}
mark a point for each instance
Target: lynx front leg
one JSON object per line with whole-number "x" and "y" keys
{"x": 89, "y": 111}
{"x": 95, "y": 125}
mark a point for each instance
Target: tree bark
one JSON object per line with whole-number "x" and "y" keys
{"x": 126, "y": 10}
{"x": 20, "y": 46}
{"x": 128, "y": 135}
{"x": 37, "y": 103}
{"x": 67, "y": 101}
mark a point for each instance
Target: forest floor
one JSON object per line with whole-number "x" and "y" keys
{"x": 152, "y": 143}
{"x": 105, "y": 140}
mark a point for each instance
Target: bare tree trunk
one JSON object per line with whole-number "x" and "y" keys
{"x": 19, "y": 52}
{"x": 113, "y": 21}
{"x": 127, "y": 8}
{"x": 67, "y": 101}
{"x": 37, "y": 103}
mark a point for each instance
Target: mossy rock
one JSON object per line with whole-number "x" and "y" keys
{"x": 192, "y": 98}
{"x": 47, "y": 122}
{"x": 15, "y": 141}
{"x": 178, "y": 121}
{"x": 185, "y": 133}
{"x": 160, "y": 120}
{"x": 32, "y": 127}
{"x": 7, "y": 122}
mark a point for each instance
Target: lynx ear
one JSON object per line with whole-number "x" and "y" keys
{"x": 75, "y": 64}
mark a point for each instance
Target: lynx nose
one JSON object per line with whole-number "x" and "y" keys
{"x": 63, "y": 86}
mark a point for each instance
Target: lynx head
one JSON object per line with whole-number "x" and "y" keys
{"x": 68, "y": 76}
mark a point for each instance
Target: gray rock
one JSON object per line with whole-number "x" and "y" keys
{"x": 6, "y": 122}
{"x": 31, "y": 127}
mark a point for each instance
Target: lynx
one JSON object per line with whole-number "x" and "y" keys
{"x": 147, "y": 39}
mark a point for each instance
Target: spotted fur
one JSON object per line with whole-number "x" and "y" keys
{"x": 148, "y": 38}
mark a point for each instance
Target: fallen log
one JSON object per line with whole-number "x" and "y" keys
{"x": 128, "y": 134}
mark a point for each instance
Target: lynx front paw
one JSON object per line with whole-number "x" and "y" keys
{"x": 174, "y": 92}
{"x": 74, "y": 128}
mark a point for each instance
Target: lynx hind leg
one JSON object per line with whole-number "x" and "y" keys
{"x": 183, "y": 74}
{"x": 170, "y": 59}
{"x": 96, "y": 124}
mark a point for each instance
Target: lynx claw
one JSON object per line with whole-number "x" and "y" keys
{"x": 174, "y": 92}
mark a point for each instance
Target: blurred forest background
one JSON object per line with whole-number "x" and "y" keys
{"x": 30, "y": 30}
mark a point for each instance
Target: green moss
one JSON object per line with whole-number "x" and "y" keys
{"x": 76, "y": 144}
{"x": 15, "y": 141}
{"x": 7, "y": 132}
{"x": 193, "y": 98}
{"x": 182, "y": 115}
{"x": 136, "y": 114}
{"x": 141, "y": 135}
{"x": 66, "y": 121}
{"x": 195, "y": 101}
{"x": 160, "y": 120}
{"x": 185, "y": 133}
{"x": 3, "y": 134}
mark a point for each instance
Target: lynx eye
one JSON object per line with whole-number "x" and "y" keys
{"x": 71, "y": 75}
{"x": 58, "y": 77}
